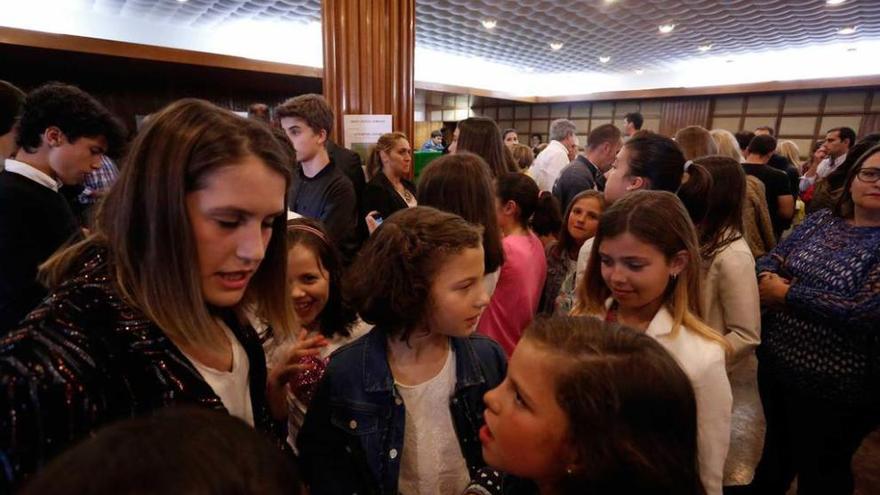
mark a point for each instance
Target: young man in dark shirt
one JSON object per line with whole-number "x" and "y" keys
{"x": 780, "y": 200}
{"x": 320, "y": 189}
{"x": 781, "y": 163}
{"x": 62, "y": 135}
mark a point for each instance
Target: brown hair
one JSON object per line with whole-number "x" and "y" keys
{"x": 566, "y": 242}
{"x": 523, "y": 156}
{"x": 312, "y": 108}
{"x": 695, "y": 142}
{"x": 659, "y": 219}
{"x": 337, "y": 317}
{"x": 845, "y": 208}
{"x": 661, "y": 161}
{"x": 632, "y": 414}
{"x": 407, "y": 249}
{"x": 481, "y": 136}
{"x": 385, "y": 143}
{"x": 605, "y": 133}
{"x": 460, "y": 184}
{"x": 144, "y": 224}
{"x": 723, "y": 219}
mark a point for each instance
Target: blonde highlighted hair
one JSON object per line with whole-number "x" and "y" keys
{"x": 727, "y": 144}
{"x": 144, "y": 226}
{"x": 659, "y": 219}
{"x": 790, "y": 151}
{"x": 385, "y": 143}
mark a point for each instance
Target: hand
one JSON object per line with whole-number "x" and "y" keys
{"x": 372, "y": 224}
{"x": 287, "y": 366}
{"x": 772, "y": 289}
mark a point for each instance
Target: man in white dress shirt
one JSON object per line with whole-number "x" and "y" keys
{"x": 836, "y": 146}
{"x": 551, "y": 161}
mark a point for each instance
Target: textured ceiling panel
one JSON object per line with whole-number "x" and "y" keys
{"x": 625, "y": 30}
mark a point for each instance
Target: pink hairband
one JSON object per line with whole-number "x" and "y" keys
{"x": 309, "y": 229}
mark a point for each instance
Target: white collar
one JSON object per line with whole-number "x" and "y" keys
{"x": 25, "y": 170}
{"x": 660, "y": 325}
{"x": 558, "y": 145}
{"x": 839, "y": 161}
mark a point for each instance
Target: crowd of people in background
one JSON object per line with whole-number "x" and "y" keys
{"x": 523, "y": 319}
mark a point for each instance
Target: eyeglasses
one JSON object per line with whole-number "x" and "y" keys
{"x": 869, "y": 175}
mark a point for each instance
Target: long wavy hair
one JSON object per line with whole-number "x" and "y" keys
{"x": 144, "y": 225}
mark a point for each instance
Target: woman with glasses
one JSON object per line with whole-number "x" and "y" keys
{"x": 819, "y": 362}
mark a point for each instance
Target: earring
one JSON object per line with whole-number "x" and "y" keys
{"x": 569, "y": 471}
{"x": 674, "y": 276}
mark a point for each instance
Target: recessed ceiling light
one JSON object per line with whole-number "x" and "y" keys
{"x": 834, "y": 2}
{"x": 851, "y": 49}
{"x": 666, "y": 28}
{"x": 490, "y": 23}
{"x": 556, "y": 46}
{"x": 705, "y": 48}
{"x": 609, "y": 2}
{"x": 181, "y": 1}
{"x": 604, "y": 60}
{"x": 847, "y": 30}
{"x": 530, "y": 69}
{"x": 639, "y": 72}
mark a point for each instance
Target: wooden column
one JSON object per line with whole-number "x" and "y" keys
{"x": 368, "y": 60}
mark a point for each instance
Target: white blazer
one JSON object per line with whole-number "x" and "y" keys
{"x": 703, "y": 362}
{"x": 731, "y": 302}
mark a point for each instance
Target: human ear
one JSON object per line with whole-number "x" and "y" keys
{"x": 53, "y": 136}
{"x": 678, "y": 263}
{"x": 636, "y": 183}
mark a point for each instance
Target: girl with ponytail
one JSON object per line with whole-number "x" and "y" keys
{"x": 653, "y": 162}
{"x": 521, "y": 279}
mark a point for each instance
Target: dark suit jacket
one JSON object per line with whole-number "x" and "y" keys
{"x": 350, "y": 164}
{"x": 380, "y": 195}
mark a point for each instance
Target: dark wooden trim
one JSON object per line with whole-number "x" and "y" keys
{"x": 23, "y": 37}
{"x": 449, "y": 88}
{"x": 732, "y": 89}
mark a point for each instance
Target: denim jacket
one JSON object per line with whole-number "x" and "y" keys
{"x": 352, "y": 438}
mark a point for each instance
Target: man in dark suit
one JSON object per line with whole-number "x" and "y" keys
{"x": 588, "y": 169}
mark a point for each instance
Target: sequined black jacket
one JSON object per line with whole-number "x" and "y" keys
{"x": 85, "y": 358}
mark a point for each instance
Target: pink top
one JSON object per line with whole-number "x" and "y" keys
{"x": 515, "y": 300}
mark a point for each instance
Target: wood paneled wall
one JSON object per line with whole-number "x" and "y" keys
{"x": 131, "y": 87}
{"x": 368, "y": 59}
{"x": 679, "y": 113}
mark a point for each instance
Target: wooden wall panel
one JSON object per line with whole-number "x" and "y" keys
{"x": 676, "y": 114}
{"x": 870, "y": 124}
{"x": 368, "y": 59}
{"x": 131, "y": 86}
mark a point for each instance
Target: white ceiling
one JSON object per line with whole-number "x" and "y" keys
{"x": 751, "y": 41}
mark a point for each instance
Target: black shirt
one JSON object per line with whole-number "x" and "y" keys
{"x": 775, "y": 184}
{"x": 34, "y": 222}
{"x": 329, "y": 197}
{"x": 576, "y": 177}
{"x": 782, "y": 164}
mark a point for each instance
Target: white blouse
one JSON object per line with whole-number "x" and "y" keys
{"x": 232, "y": 387}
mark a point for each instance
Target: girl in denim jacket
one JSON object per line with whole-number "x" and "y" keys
{"x": 400, "y": 409}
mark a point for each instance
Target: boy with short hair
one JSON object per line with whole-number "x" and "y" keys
{"x": 319, "y": 189}
{"x": 62, "y": 135}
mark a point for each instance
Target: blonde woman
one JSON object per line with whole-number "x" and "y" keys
{"x": 644, "y": 272}
{"x": 757, "y": 227}
{"x": 790, "y": 151}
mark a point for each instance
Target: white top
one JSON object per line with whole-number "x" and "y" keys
{"x": 25, "y": 170}
{"x": 824, "y": 169}
{"x": 703, "y": 362}
{"x": 548, "y": 164}
{"x": 583, "y": 260}
{"x": 233, "y": 387}
{"x": 731, "y": 303}
{"x": 431, "y": 462}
